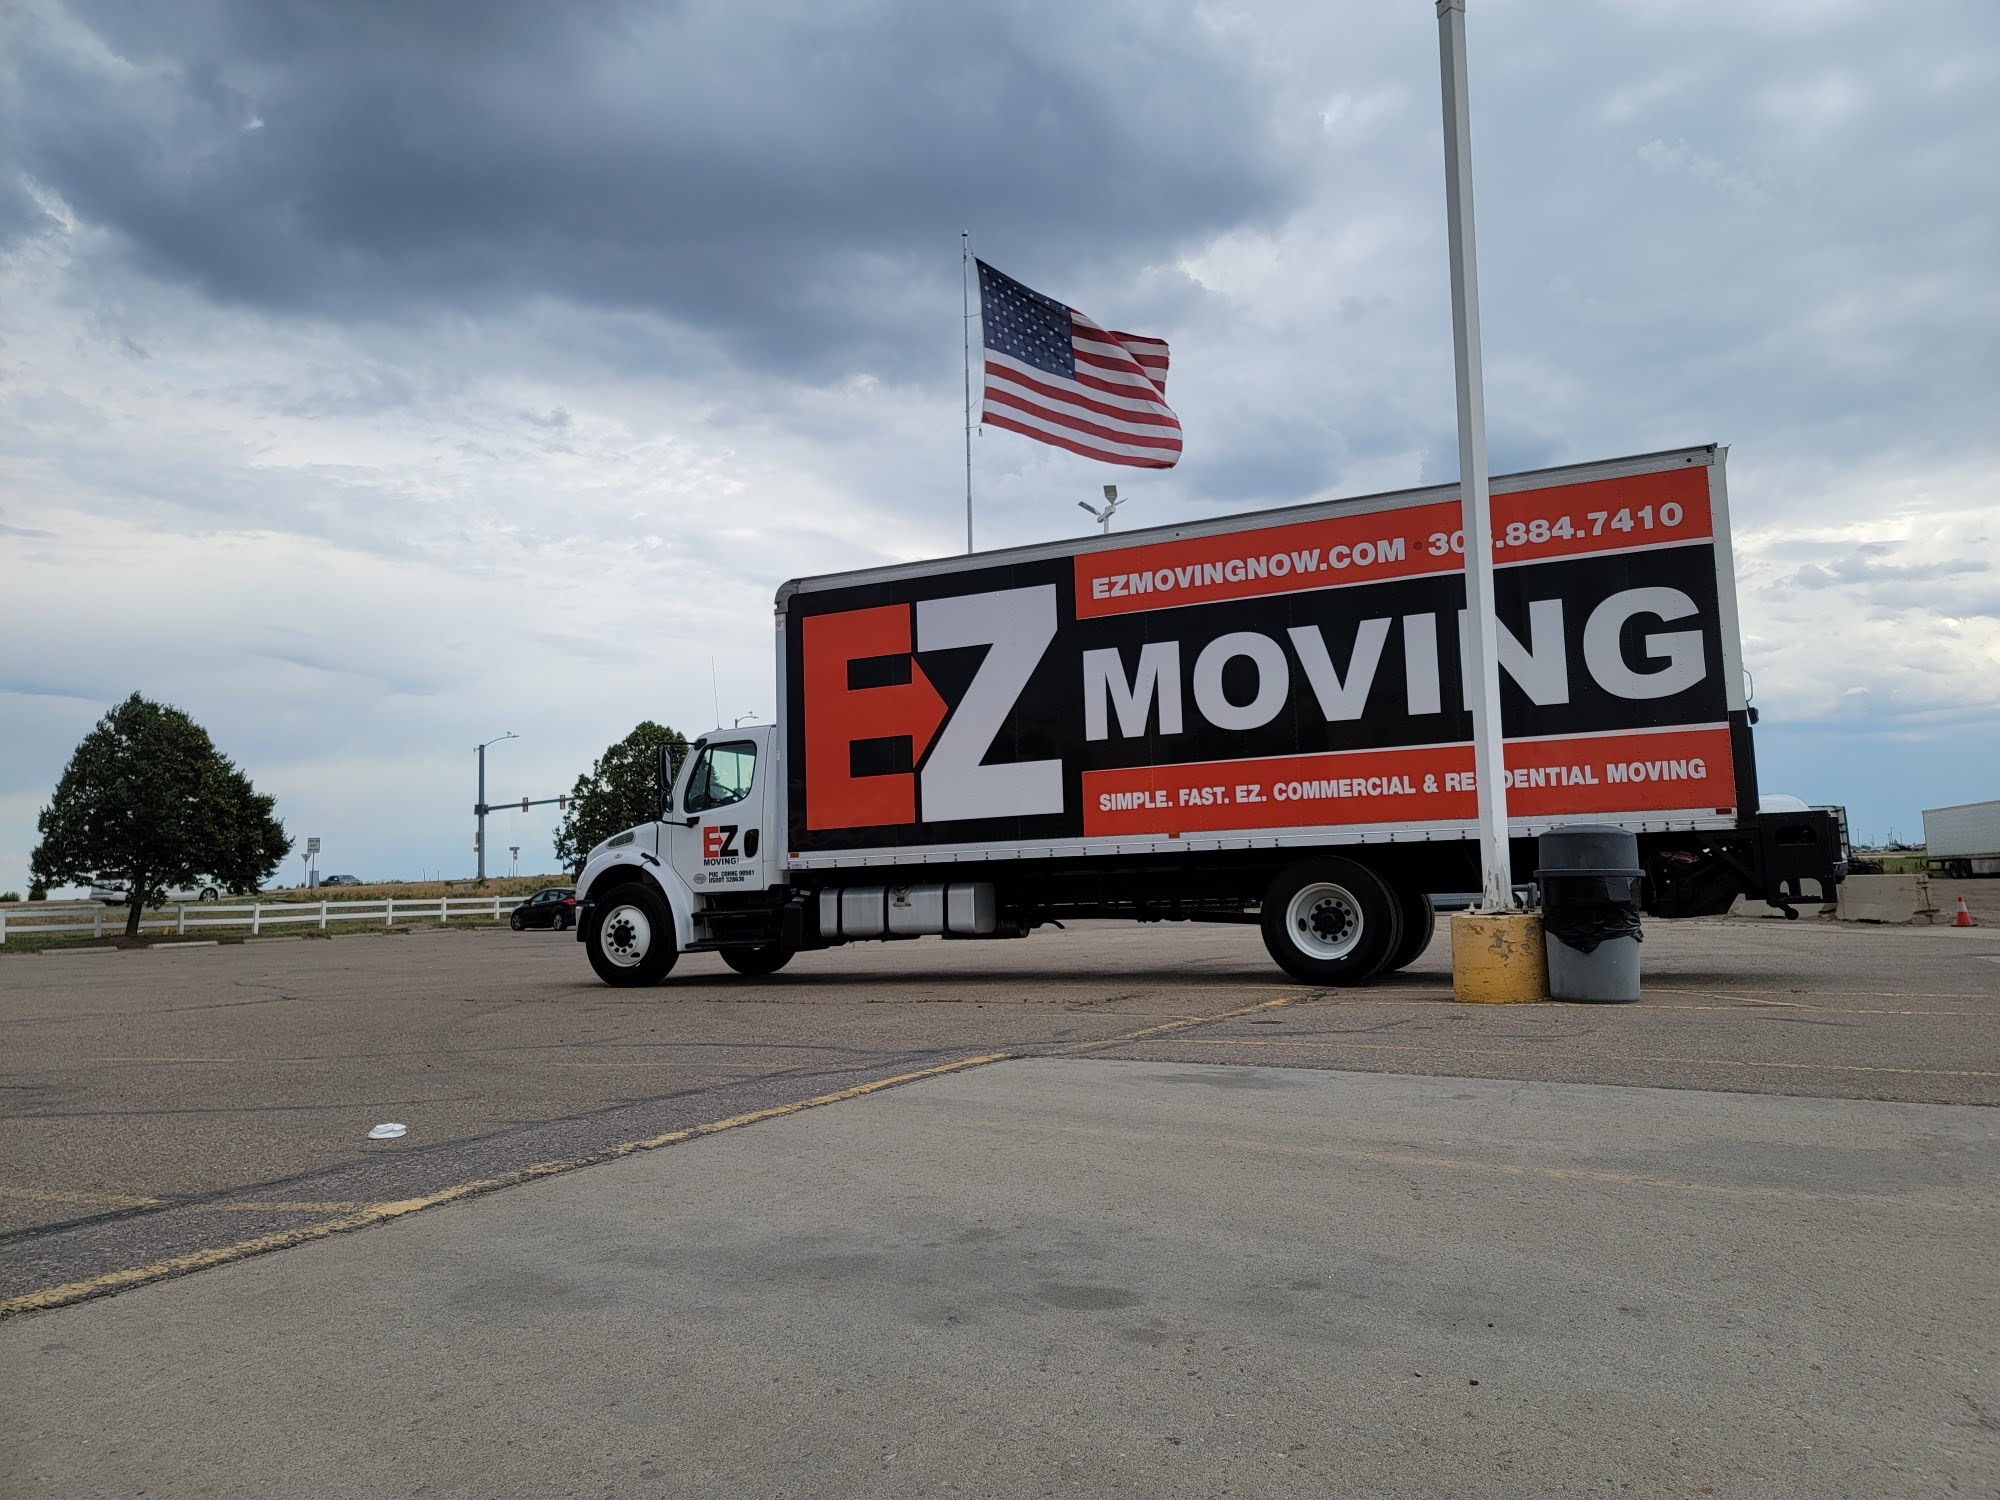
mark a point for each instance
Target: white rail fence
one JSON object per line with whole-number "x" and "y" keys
{"x": 97, "y": 919}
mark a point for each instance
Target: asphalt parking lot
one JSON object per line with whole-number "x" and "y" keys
{"x": 1771, "y": 1158}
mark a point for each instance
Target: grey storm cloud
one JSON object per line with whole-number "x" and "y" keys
{"x": 781, "y": 176}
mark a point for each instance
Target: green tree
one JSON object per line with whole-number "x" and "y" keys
{"x": 148, "y": 793}
{"x": 620, "y": 792}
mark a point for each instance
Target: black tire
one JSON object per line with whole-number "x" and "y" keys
{"x": 516, "y": 922}
{"x": 210, "y": 893}
{"x": 561, "y": 922}
{"x": 630, "y": 936}
{"x": 755, "y": 963}
{"x": 1419, "y": 927}
{"x": 1331, "y": 921}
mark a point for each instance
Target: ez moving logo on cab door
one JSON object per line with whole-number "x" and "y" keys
{"x": 722, "y": 856}
{"x": 882, "y": 748}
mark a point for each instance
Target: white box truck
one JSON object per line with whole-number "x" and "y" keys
{"x": 1254, "y": 719}
{"x": 1963, "y": 840}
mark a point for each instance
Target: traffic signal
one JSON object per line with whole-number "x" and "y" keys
{"x": 524, "y": 804}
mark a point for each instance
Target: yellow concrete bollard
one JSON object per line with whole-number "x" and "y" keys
{"x": 1497, "y": 958}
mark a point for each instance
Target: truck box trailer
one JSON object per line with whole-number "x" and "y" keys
{"x": 1259, "y": 718}
{"x": 1963, "y": 840}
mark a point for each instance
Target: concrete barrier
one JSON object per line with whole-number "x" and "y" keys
{"x": 1903, "y": 899}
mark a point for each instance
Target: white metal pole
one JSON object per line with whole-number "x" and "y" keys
{"x": 480, "y": 837}
{"x": 1482, "y": 667}
{"x": 965, "y": 327}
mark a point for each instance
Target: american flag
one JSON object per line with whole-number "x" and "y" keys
{"x": 1059, "y": 378}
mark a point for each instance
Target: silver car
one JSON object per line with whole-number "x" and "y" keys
{"x": 114, "y": 888}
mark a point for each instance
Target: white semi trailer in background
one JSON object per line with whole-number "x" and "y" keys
{"x": 1253, "y": 719}
{"x": 1963, "y": 840}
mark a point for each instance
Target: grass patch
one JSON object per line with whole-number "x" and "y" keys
{"x": 1896, "y": 864}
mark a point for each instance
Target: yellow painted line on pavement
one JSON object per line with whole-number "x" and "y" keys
{"x": 1185, "y": 1022}
{"x": 1671, "y": 989}
{"x": 1582, "y": 1057}
{"x": 1824, "y": 1010}
{"x": 108, "y": 1200}
{"x": 217, "y": 1206}
{"x": 1456, "y": 1163}
{"x": 1752, "y": 1001}
{"x": 376, "y": 1213}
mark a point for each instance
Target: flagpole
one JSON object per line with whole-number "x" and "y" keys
{"x": 965, "y": 324}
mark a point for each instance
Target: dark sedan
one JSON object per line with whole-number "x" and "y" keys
{"x": 554, "y": 907}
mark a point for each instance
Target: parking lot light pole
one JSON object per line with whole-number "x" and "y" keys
{"x": 1496, "y": 948}
{"x": 1482, "y": 666}
{"x": 479, "y": 807}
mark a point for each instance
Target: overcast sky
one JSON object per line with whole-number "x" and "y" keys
{"x": 379, "y": 378}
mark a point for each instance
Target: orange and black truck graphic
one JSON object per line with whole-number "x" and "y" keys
{"x": 1258, "y": 718}
{"x": 1287, "y": 674}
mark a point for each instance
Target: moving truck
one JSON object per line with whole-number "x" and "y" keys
{"x": 1963, "y": 840}
{"x": 1254, "y": 719}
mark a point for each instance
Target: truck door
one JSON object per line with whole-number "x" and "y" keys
{"x": 722, "y": 805}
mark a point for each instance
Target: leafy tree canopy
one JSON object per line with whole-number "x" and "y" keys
{"x": 620, "y": 792}
{"x": 148, "y": 794}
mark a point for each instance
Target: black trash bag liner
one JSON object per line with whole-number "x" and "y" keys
{"x": 1584, "y": 927}
{"x": 1585, "y": 910}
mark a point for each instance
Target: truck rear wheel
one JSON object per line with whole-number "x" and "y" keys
{"x": 630, "y": 936}
{"x": 755, "y": 963}
{"x": 1419, "y": 927}
{"x": 1331, "y": 921}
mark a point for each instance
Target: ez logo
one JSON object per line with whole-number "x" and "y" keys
{"x": 895, "y": 704}
{"x": 718, "y": 841}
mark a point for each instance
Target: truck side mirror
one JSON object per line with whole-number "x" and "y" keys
{"x": 663, "y": 774}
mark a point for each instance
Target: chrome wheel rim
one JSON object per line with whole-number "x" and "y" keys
{"x": 1324, "y": 920}
{"x": 626, "y": 936}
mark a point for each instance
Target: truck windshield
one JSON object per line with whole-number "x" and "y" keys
{"x": 721, "y": 776}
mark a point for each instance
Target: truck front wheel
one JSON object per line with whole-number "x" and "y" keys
{"x": 755, "y": 963}
{"x": 1331, "y": 921}
{"x": 630, "y": 936}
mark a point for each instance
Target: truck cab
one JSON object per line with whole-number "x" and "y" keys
{"x": 707, "y": 875}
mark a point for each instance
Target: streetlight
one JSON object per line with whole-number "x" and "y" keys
{"x": 1111, "y": 503}
{"x": 479, "y": 807}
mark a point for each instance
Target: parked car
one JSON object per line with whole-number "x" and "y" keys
{"x": 340, "y": 880}
{"x": 114, "y": 888}
{"x": 554, "y": 907}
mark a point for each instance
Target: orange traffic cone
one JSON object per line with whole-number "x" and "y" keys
{"x": 1962, "y": 917}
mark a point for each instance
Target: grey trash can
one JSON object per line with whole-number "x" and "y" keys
{"x": 1589, "y": 877}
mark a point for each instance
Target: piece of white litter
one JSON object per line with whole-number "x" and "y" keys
{"x": 386, "y": 1132}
